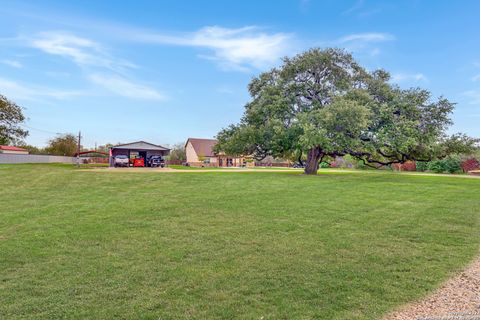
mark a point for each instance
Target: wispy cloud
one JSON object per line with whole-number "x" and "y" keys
{"x": 239, "y": 49}
{"x": 12, "y": 63}
{"x": 364, "y": 42}
{"x": 101, "y": 68}
{"x": 126, "y": 88}
{"x": 22, "y": 91}
{"x": 367, "y": 37}
{"x": 476, "y": 78}
{"x": 355, "y": 7}
{"x": 408, "y": 77}
{"x": 361, "y": 10}
{"x": 82, "y": 51}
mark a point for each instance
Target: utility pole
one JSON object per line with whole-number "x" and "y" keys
{"x": 78, "y": 148}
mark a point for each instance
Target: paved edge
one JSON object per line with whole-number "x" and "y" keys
{"x": 457, "y": 298}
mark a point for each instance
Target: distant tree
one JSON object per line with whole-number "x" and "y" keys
{"x": 323, "y": 104}
{"x": 11, "y": 116}
{"x": 62, "y": 145}
{"x": 105, "y": 148}
{"x": 177, "y": 152}
{"x": 32, "y": 149}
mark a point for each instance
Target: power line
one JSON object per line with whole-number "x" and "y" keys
{"x": 41, "y": 130}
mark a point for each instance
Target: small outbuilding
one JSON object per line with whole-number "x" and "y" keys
{"x": 13, "y": 150}
{"x": 136, "y": 150}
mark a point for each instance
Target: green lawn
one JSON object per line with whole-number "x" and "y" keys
{"x": 216, "y": 245}
{"x": 173, "y": 166}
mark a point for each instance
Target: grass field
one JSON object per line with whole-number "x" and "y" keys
{"x": 261, "y": 245}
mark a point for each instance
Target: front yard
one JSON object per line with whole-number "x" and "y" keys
{"x": 83, "y": 244}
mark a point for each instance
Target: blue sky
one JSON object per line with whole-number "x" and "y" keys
{"x": 163, "y": 71}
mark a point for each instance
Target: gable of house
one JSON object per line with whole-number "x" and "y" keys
{"x": 196, "y": 148}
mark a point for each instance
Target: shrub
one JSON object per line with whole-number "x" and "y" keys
{"x": 422, "y": 166}
{"x": 437, "y": 166}
{"x": 470, "y": 164}
{"x": 360, "y": 165}
{"x": 347, "y": 162}
{"x": 342, "y": 162}
{"x": 452, "y": 164}
{"x": 324, "y": 164}
{"x": 407, "y": 166}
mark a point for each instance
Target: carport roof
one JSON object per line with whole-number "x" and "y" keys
{"x": 140, "y": 145}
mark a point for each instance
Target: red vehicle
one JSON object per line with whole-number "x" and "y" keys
{"x": 138, "y": 162}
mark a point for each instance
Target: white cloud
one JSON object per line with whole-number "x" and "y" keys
{"x": 123, "y": 87}
{"x": 21, "y": 91}
{"x": 81, "y": 51}
{"x": 232, "y": 48}
{"x": 367, "y": 37}
{"x": 366, "y": 43}
{"x": 12, "y": 63}
{"x": 239, "y": 49}
{"x": 409, "y": 77}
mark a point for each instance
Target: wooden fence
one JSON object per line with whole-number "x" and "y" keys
{"x": 174, "y": 162}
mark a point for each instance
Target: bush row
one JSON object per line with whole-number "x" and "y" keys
{"x": 450, "y": 164}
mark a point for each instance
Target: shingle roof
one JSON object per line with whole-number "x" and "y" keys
{"x": 140, "y": 145}
{"x": 12, "y": 148}
{"x": 203, "y": 147}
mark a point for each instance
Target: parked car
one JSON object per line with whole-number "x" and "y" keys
{"x": 120, "y": 161}
{"x": 156, "y": 161}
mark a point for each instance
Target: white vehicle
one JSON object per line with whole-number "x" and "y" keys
{"x": 120, "y": 161}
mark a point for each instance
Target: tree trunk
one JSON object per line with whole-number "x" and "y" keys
{"x": 313, "y": 157}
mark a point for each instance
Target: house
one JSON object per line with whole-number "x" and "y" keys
{"x": 13, "y": 150}
{"x": 200, "y": 153}
{"x": 138, "y": 149}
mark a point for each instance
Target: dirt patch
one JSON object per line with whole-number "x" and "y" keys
{"x": 458, "y": 298}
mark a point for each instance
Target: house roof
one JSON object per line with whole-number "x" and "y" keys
{"x": 141, "y": 145}
{"x": 203, "y": 147}
{"x": 12, "y": 148}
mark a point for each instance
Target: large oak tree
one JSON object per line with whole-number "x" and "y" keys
{"x": 322, "y": 103}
